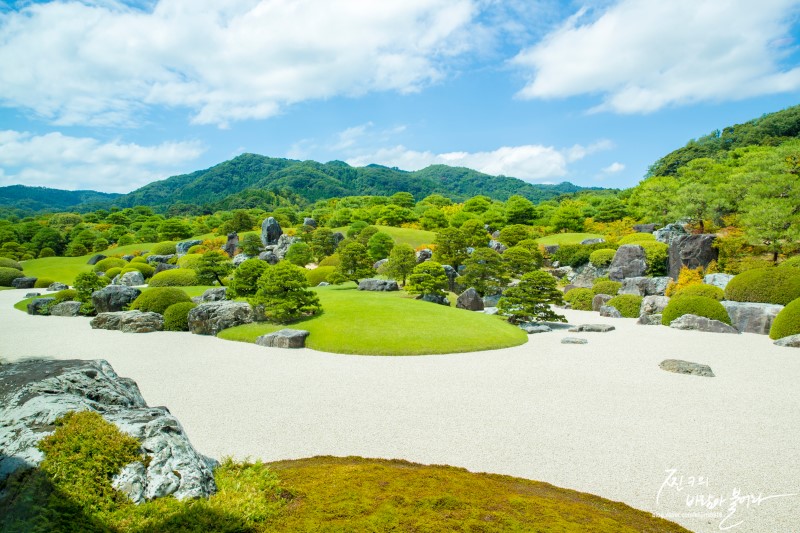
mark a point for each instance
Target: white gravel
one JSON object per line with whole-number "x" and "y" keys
{"x": 601, "y": 418}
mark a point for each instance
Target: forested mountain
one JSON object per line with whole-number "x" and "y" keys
{"x": 23, "y": 198}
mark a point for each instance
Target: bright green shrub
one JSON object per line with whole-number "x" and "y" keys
{"x": 769, "y": 285}
{"x": 601, "y": 279}
{"x": 43, "y": 283}
{"x": 245, "y": 277}
{"x": 7, "y": 275}
{"x": 114, "y": 272}
{"x": 606, "y": 287}
{"x": 656, "y": 254}
{"x": 573, "y": 255}
{"x": 196, "y": 249}
{"x": 637, "y": 238}
{"x": 330, "y": 261}
{"x": 787, "y": 322}
{"x": 318, "y": 275}
{"x": 709, "y": 291}
{"x": 67, "y": 295}
{"x": 163, "y": 248}
{"x": 6, "y": 262}
{"x": 146, "y": 270}
{"x": 791, "y": 262}
{"x": 602, "y": 258}
{"x": 191, "y": 261}
{"x": 179, "y": 277}
{"x": 159, "y": 298}
{"x": 46, "y": 252}
{"x": 139, "y": 259}
{"x": 176, "y": 316}
{"x": 627, "y": 304}
{"x": 579, "y": 298}
{"x": 694, "y": 305}
{"x": 109, "y": 262}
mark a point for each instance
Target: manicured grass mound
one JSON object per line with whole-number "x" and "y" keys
{"x": 7, "y": 275}
{"x": 637, "y": 238}
{"x": 391, "y": 323}
{"x": 602, "y": 258}
{"x": 412, "y": 237}
{"x": 579, "y": 298}
{"x": 6, "y": 262}
{"x": 787, "y": 322}
{"x": 709, "y": 291}
{"x": 791, "y": 262}
{"x": 567, "y": 238}
{"x": 627, "y": 304}
{"x": 694, "y": 305}
{"x": 158, "y": 299}
{"x": 769, "y": 285}
{"x": 109, "y": 262}
{"x": 318, "y": 275}
{"x": 179, "y": 277}
{"x": 606, "y": 287}
{"x": 163, "y": 248}
{"x": 146, "y": 270}
{"x": 65, "y": 295}
{"x": 176, "y": 316}
{"x": 43, "y": 283}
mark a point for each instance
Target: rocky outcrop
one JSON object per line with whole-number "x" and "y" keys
{"x": 564, "y": 272}
{"x": 792, "y": 341}
{"x": 283, "y": 245}
{"x": 629, "y": 262}
{"x": 214, "y": 294}
{"x": 497, "y": 246}
{"x": 644, "y": 228}
{"x": 238, "y": 259}
{"x": 270, "y": 257}
{"x": 284, "y": 338}
{"x": 95, "y": 259}
{"x": 129, "y": 279}
{"x": 701, "y": 323}
{"x": 685, "y": 367}
{"x": 592, "y": 328}
{"x": 650, "y": 320}
{"x": 40, "y": 306}
{"x": 691, "y": 251}
{"x": 113, "y": 298}
{"x": 151, "y": 259}
{"x": 24, "y": 282}
{"x": 610, "y": 312}
{"x": 161, "y": 267}
{"x": 310, "y": 222}
{"x": 379, "y": 264}
{"x": 212, "y": 317}
{"x": 56, "y": 286}
{"x": 182, "y": 248}
{"x": 424, "y": 255}
{"x": 592, "y": 241}
{"x": 270, "y": 231}
{"x": 653, "y": 305}
{"x": 231, "y": 244}
{"x": 435, "y": 299}
{"x": 129, "y": 321}
{"x": 599, "y": 301}
{"x": 66, "y": 309}
{"x": 717, "y": 280}
{"x": 532, "y": 328}
{"x": 644, "y": 286}
{"x": 669, "y": 232}
{"x": 750, "y": 317}
{"x": 378, "y": 285}
{"x": 586, "y": 274}
{"x": 470, "y": 300}
{"x": 33, "y": 394}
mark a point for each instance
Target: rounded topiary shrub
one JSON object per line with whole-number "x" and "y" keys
{"x": 694, "y": 305}
{"x": 67, "y": 295}
{"x": 7, "y": 275}
{"x": 637, "y": 238}
{"x": 787, "y": 322}
{"x": 46, "y": 252}
{"x": 579, "y": 298}
{"x": 606, "y": 287}
{"x": 318, "y": 275}
{"x": 176, "y": 316}
{"x": 109, "y": 262}
{"x": 43, "y": 283}
{"x": 6, "y": 262}
{"x": 196, "y": 249}
{"x": 791, "y": 262}
{"x": 163, "y": 248}
{"x": 656, "y": 254}
{"x": 602, "y": 258}
{"x": 709, "y": 291}
{"x": 159, "y": 298}
{"x": 146, "y": 270}
{"x": 179, "y": 277}
{"x": 627, "y": 304}
{"x": 769, "y": 285}
{"x": 191, "y": 261}
{"x": 139, "y": 259}
{"x": 330, "y": 261}
{"x": 113, "y": 272}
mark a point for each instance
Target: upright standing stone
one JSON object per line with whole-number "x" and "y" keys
{"x": 231, "y": 244}
{"x": 691, "y": 251}
{"x": 270, "y": 231}
{"x": 628, "y": 262}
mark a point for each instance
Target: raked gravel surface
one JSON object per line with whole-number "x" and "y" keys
{"x": 708, "y": 453}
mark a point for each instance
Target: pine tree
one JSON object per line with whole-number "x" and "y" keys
{"x": 531, "y": 299}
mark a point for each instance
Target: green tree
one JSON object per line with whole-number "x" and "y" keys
{"x": 477, "y": 204}
{"x": 354, "y": 264}
{"x": 532, "y": 298}
{"x": 299, "y": 254}
{"x": 380, "y": 245}
{"x": 513, "y": 234}
{"x": 323, "y": 243}
{"x": 403, "y": 199}
{"x": 251, "y": 245}
{"x": 433, "y": 218}
{"x": 451, "y": 247}
{"x": 402, "y": 261}
{"x": 475, "y": 235}
{"x": 240, "y": 222}
{"x": 520, "y": 210}
{"x": 246, "y": 276}
{"x": 173, "y": 229}
{"x": 428, "y": 278}
{"x": 568, "y": 217}
{"x": 520, "y": 261}
{"x": 611, "y": 209}
{"x": 283, "y": 292}
{"x": 213, "y": 266}
{"x": 48, "y": 238}
{"x": 485, "y": 271}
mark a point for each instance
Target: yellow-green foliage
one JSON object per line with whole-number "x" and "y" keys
{"x": 772, "y": 285}
{"x": 787, "y": 322}
{"x": 791, "y": 262}
{"x": 43, "y": 283}
{"x": 331, "y": 260}
{"x": 687, "y": 276}
{"x": 7, "y": 275}
{"x": 163, "y": 248}
{"x": 114, "y": 272}
{"x": 709, "y": 291}
{"x": 146, "y": 270}
{"x": 109, "y": 262}
{"x": 579, "y": 298}
{"x": 179, "y": 277}
{"x": 656, "y": 254}
{"x": 158, "y": 299}
{"x": 6, "y": 262}
{"x": 637, "y": 238}
{"x": 190, "y": 261}
{"x": 318, "y": 275}
{"x": 65, "y": 295}
{"x": 139, "y": 259}
{"x": 176, "y": 316}
{"x": 627, "y": 304}
{"x": 602, "y": 258}
{"x": 606, "y": 287}
{"x": 694, "y": 305}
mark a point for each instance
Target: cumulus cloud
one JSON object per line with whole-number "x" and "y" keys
{"x": 643, "y": 55}
{"x": 613, "y": 168}
{"x": 64, "y": 162}
{"x": 103, "y": 63}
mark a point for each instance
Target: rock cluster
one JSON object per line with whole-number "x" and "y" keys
{"x": 129, "y": 321}
{"x": 113, "y": 298}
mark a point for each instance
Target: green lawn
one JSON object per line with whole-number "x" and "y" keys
{"x": 567, "y": 238}
{"x": 413, "y": 237}
{"x": 377, "y": 323}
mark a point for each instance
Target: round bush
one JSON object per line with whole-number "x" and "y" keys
{"x": 602, "y": 258}
{"x": 330, "y": 261}
{"x": 139, "y": 259}
{"x": 6, "y": 262}
{"x": 694, "y": 305}
{"x": 656, "y": 254}
{"x": 158, "y": 299}
{"x": 146, "y": 270}
{"x": 109, "y": 262}
{"x": 606, "y": 287}
{"x": 43, "y": 283}
{"x": 176, "y": 316}
{"x": 191, "y": 261}
{"x": 765, "y": 285}
{"x": 627, "y": 304}
{"x": 791, "y": 262}
{"x": 113, "y": 272}
{"x": 46, "y": 252}
{"x": 67, "y": 295}
{"x": 196, "y": 249}
{"x": 787, "y": 322}
{"x": 179, "y": 277}
{"x": 318, "y": 275}
{"x": 637, "y": 238}
{"x": 163, "y": 248}
{"x": 579, "y": 298}
{"x": 709, "y": 291}
{"x": 7, "y": 275}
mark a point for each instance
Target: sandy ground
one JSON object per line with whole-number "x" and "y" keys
{"x": 708, "y": 453}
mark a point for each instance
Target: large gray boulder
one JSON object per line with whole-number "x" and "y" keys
{"x": 214, "y": 294}
{"x": 424, "y": 255}
{"x": 130, "y": 279}
{"x": 269, "y": 256}
{"x": 628, "y": 262}
{"x": 750, "y": 317}
{"x": 686, "y": 367}
{"x": 792, "y": 341}
{"x": 238, "y": 259}
{"x": 599, "y": 301}
{"x": 592, "y": 241}
{"x": 452, "y": 276}
{"x": 531, "y": 328}
{"x": 644, "y": 286}
{"x": 497, "y": 246}
{"x": 592, "y": 328}
{"x": 161, "y": 267}
{"x": 231, "y": 244}
{"x": 114, "y": 298}
{"x": 653, "y": 305}
{"x": 56, "y": 286}
{"x": 717, "y": 280}
{"x": 470, "y": 300}
{"x": 586, "y": 274}
{"x": 649, "y": 320}
{"x": 284, "y": 338}
{"x": 212, "y": 317}
{"x": 701, "y": 323}
{"x": 610, "y": 312}
{"x": 25, "y": 282}
{"x": 310, "y": 222}
{"x": 564, "y": 272}
{"x": 129, "y": 321}
{"x": 435, "y": 299}
{"x": 182, "y": 248}
{"x": 283, "y": 245}
{"x": 95, "y": 259}
{"x": 151, "y": 259}
{"x": 644, "y": 228}
{"x": 691, "y": 251}
{"x": 270, "y": 231}
{"x": 378, "y": 285}
{"x": 33, "y": 394}
{"x": 669, "y": 232}
{"x": 66, "y": 309}
{"x": 39, "y": 306}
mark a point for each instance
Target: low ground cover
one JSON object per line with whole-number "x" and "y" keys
{"x": 567, "y": 238}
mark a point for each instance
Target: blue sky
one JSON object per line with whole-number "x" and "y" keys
{"x": 111, "y": 95}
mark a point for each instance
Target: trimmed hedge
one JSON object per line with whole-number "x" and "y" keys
{"x": 7, "y": 262}
{"x": 628, "y": 305}
{"x": 139, "y": 259}
{"x": 769, "y": 285}
{"x": 330, "y": 261}
{"x": 579, "y": 298}
{"x": 787, "y": 322}
{"x": 179, "y": 277}
{"x": 709, "y": 291}
{"x": 176, "y": 316}
{"x": 637, "y": 238}
{"x": 318, "y": 275}
{"x": 7, "y": 275}
{"x": 694, "y": 305}
{"x": 109, "y": 262}
{"x": 43, "y": 283}
{"x": 159, "y": 298}
{"x": 67, "y": 295}
{"x": 606, "y": 287}
{"x": 602, "y": 258}
{"x": 163, "y": 248}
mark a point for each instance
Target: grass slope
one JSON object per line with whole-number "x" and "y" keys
{"x": 567, "y": 238}
{"x": 413, "y": 237}
{"x": 381, "y": 323}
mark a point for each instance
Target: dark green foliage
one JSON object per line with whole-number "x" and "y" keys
{"x": 628, "y": 305}
{"x": 514, "y": 234}
{"x": 366, "y": 234}
{"x": 787, "y": 322}
{"x": 579, "y": 298}
{"x": 173, "y": 229}
{"x": 38, "y": 199}
{"x": 573, "y": 255}
{"x": 519, "y": 210}
{"x": 402, "y": 260}
{"x": 180, "y": 277}
{"x": 354, "y": 264}
{"x": 766, "y": 285}
{"x": 451, "y": 247}
{"x": 5, "y": 262}
{"x": 519, "y": 260}
{"x": 109, "y": 262}
{"x": 532, "y": 298}
{"x": 47, "y": 252}
{"x": 43, "y": 283}
{"x": 86, "y": 283}
{"x": 475, "y": 235}
{"x": 163, "y": 248}
{"x": 318, "y": 275}
{"x": 299, "y": 254}
{"x": 602, "y": 258}
{"x": 701, "y": 289}
{"x": 283, "y": 291}
{"x": 380, "y": 246}
{"x": 157, "y": 299}
{"x": 251, "y": 245}
{"x": 485, "y": 271}
{"x": 427, "y": 278}
{"x": 323, "y": 243}
{"x": 694, "y": 305}
{"x": 65, "y": 295}
{"x": 245, "y": 277}
{"x": 212, "y": 267}
{"x": 176, "y": 316}
{"x": 606, "y": 287}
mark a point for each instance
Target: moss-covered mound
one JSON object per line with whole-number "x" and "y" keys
{"x": 602, "y": 258}
{"x": 637, "y": 238}
{"x": 158, "y": 299}
{"x": 694, "y": 305}
{"x": 787, "y": 322}
{"x": 769, "y": 285}
{"x": 6, "y": 262}
{"x": 163, "y": 248}
{"x": 8, "y": 274}
{"x": 109, "y": 262}
{"x": 606, "y": 287}
{"x": 179, "y": 277}
{"x": 791, "y": 262}
{"x": 709, "y": 291}
{"x": 579, "y": 298}
{"x": 627, "y": 304}
{"x": 176, "y": 316}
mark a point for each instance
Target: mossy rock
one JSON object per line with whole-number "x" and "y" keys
{"x": 602, "y": 258}
{"x": 179, "y": 277}
{"x": 579, "y": 298}
{"x": 771, "y": 285}
{"x": 628, "y": 305}
{"x": 606, "y": 287}
{"x": 109, "y": 262}
{"x": 158, "y": 299}
{"x": 8, "y": 274}
{"x": 694, "y": 305}
{"x": 787, "y": 322}
{"x": 176, "y": 316}
{"x": 709, "y": 291}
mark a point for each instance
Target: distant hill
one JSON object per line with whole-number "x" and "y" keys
{"x": 35, "y": 199}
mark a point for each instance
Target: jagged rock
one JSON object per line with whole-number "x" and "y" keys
{"x": 131, "y": 279}
{"x": 653, "y": 305}
{"x": 231, "y": 244}
{"x": 644, "y": 286}
{"x": 701, "y": 323}
{"x": 33, "y": 394}
{"x": 269, "y": 257}
{"x": 685, "y": 367}
{"x": 496, "y": 234}
{"x": 54, "y": 287}
{"x": 691, "y": 251}
{"x": 113, "y": 298}
{"x": 283, "y": 245}
{"x": 95, "y": 259}
{"x": 424, "y": 255}
{"x": 284, "y": 338}
{"x": 214, "y": 294}
{"x": 551, "y": 249}
{"x": 24, "y": 282}
{"x": 470, "y": 300}
{"x": 532, "y": 328}
{"x": 161, "y": 267}
{"x": 749, "y": 317}
{"x": 129, "y": 321}
{"x": 434, "y": 299}
{"x": 565, "y": 272}
{"x": 490, "y": 311}
{"x": 212, "y": 317}
{"x": 66, "y": 309}
{"x": 270, "y": 231}
{"x": 717, "y": 280}
{"x": 238, "y": 259}
{"x": 650, "y": 320}
{"x": 182, "y": 248}
{"x": 378, "y": 264}
{"x": 32, "y": 294}
{"x": 610, "y": 312}
{"x": 574, "y": 340}
{"x": 592, "y": 241}
{"x": 629, "y": 262}
{"x": 586, "y": 274}
{"x": 599, "y": 301}
{"x": 308, "y": 221}
{"x": 39, "y": 306}
{"x": 644, "y": 228}
{"x": 669, "y": 232}
{"x": 792, "y": 341}
{"x": 381, "y": 285}
{"x": 323, "y": 284}
{"x": 452, "y": 276}
{"x": 491, "y": 300}
{"x": 592, "y": 328}
{"x": 159, "y": 258}
{"x": 497, "y": 246}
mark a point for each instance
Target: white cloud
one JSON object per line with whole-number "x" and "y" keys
{"x": 613, "y": 168}
{"x": 642, "y": 55}
{"x": 64, "y": 162}
{"x": 103, "y": 63}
